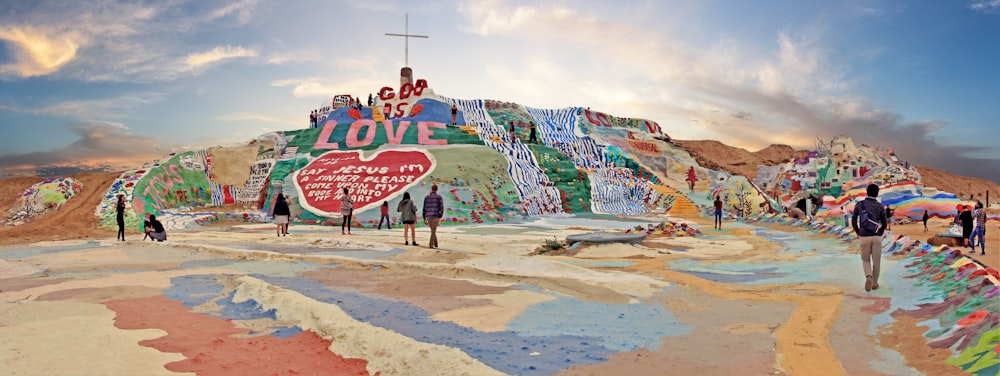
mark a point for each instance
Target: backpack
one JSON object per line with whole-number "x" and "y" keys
{"x": 865, "y": 222}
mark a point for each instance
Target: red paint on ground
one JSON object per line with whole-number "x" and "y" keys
{"x": 211, "y": 349}
{"x": 974, "y": 317}
{"x": 877, "y": 306}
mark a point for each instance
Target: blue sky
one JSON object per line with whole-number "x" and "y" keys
{"x": 109, "y": 84}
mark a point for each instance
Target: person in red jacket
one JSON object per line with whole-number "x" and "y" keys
{"x": 385, "y": 216}
{"x": 718, "y": 213}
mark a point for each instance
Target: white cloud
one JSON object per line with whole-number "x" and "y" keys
{"x": 37, "y": 53}
{"x": 985, "y": 6}
{"x": 217, "y": 54}
{"x": 242, "y": 10}
{"x": 318, "y": 88}
{"x": 115, "y": 41}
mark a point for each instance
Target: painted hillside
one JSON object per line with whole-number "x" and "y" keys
{"x": 838, "y": 172}
{"x": 582, "y": 161}
{"x": 489, "y": 169}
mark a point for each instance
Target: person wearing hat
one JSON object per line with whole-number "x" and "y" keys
{"x": 120, "y": 210}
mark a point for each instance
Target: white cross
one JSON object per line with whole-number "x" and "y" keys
{"x": 406, "y": 34}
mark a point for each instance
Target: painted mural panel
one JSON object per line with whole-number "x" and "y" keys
{"x": 371, "y": 180}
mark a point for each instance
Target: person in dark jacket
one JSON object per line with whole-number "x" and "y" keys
{"x": 870, "y": 235}
{"x": 967, "y": 225}
{"x": 433, "y": 212}
{"x": 926, "y": 217}
{"x": 281, "y": 214}
{"x": 120, "y": 210}
{"x": 408, "y": 215}
{"x": 156, "y": 230}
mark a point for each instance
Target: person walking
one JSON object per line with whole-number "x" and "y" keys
{"x": 120, "y": 210}
{"x": 385, "y": 216}
{"x": 433, "y": 211}
{"x": 408, "y": 216}
{"x": 718, "y": 212}
{"x": 868, "y": 221}
{"x": 926, "y": 217}
{"x": 980, "y": 231}
{"x": 888, "y": 217}
{"x": 281, "y": 214}
{"x": 532, "y": 135}
{"x": 346, "y": 210}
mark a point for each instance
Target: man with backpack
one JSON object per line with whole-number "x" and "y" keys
{"x": 869, "y": 222}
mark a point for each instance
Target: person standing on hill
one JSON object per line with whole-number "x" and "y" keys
{"x": 926, "y": 217}
{"x": 967, "y": 225}
{"x": 980, "y": 231}
{"x": 888, "y": 217}
{"x": 346, "y": 210}
{"x": 433, "y": 211}
{"x": 870, "y": 227}
{"x": 281, "y": 214}
{"x": 691, "y": 178}
{"x": 454, "y": 114}
{"x": 718, "y": 212}
{"x": 408, "y": 215}
{"x": 532, "y": 135}
{"x": 512, "y": 132}
{"x": 120, "y": 210}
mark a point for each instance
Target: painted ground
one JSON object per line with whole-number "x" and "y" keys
{"x": 768, "y": 295}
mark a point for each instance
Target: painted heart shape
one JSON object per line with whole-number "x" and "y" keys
{"x": 380, "y": 177}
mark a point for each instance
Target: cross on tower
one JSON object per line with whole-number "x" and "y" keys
{"x": 406, "y": 35}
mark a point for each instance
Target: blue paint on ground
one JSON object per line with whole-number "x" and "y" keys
{"x": 16, "y": 253}
{"x": 196, "y": 290}
{"x": 622, "y": 327}
{"x": 506, "y": 351}
{"x": 729, "y": 278}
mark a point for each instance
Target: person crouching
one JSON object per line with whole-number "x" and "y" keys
{"x": 156, "y": 230}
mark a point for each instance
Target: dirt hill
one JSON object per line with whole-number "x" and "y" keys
{"x": 75, "y": 220}
{"x": 716, "y": 155}
{"x": 959, "y": 185}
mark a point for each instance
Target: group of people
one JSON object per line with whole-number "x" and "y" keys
{"x": 532, "y": 133}
{"x": 973, "y": 222}
{"x": 433, "y": 210}
{"x": 150, "y": 226}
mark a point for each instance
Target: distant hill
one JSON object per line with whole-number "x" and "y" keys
{"x": 959, "y": 185}
{"x": 738, "y": 161}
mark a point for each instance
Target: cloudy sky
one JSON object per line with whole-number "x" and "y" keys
{"x": 104, "y": 84}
